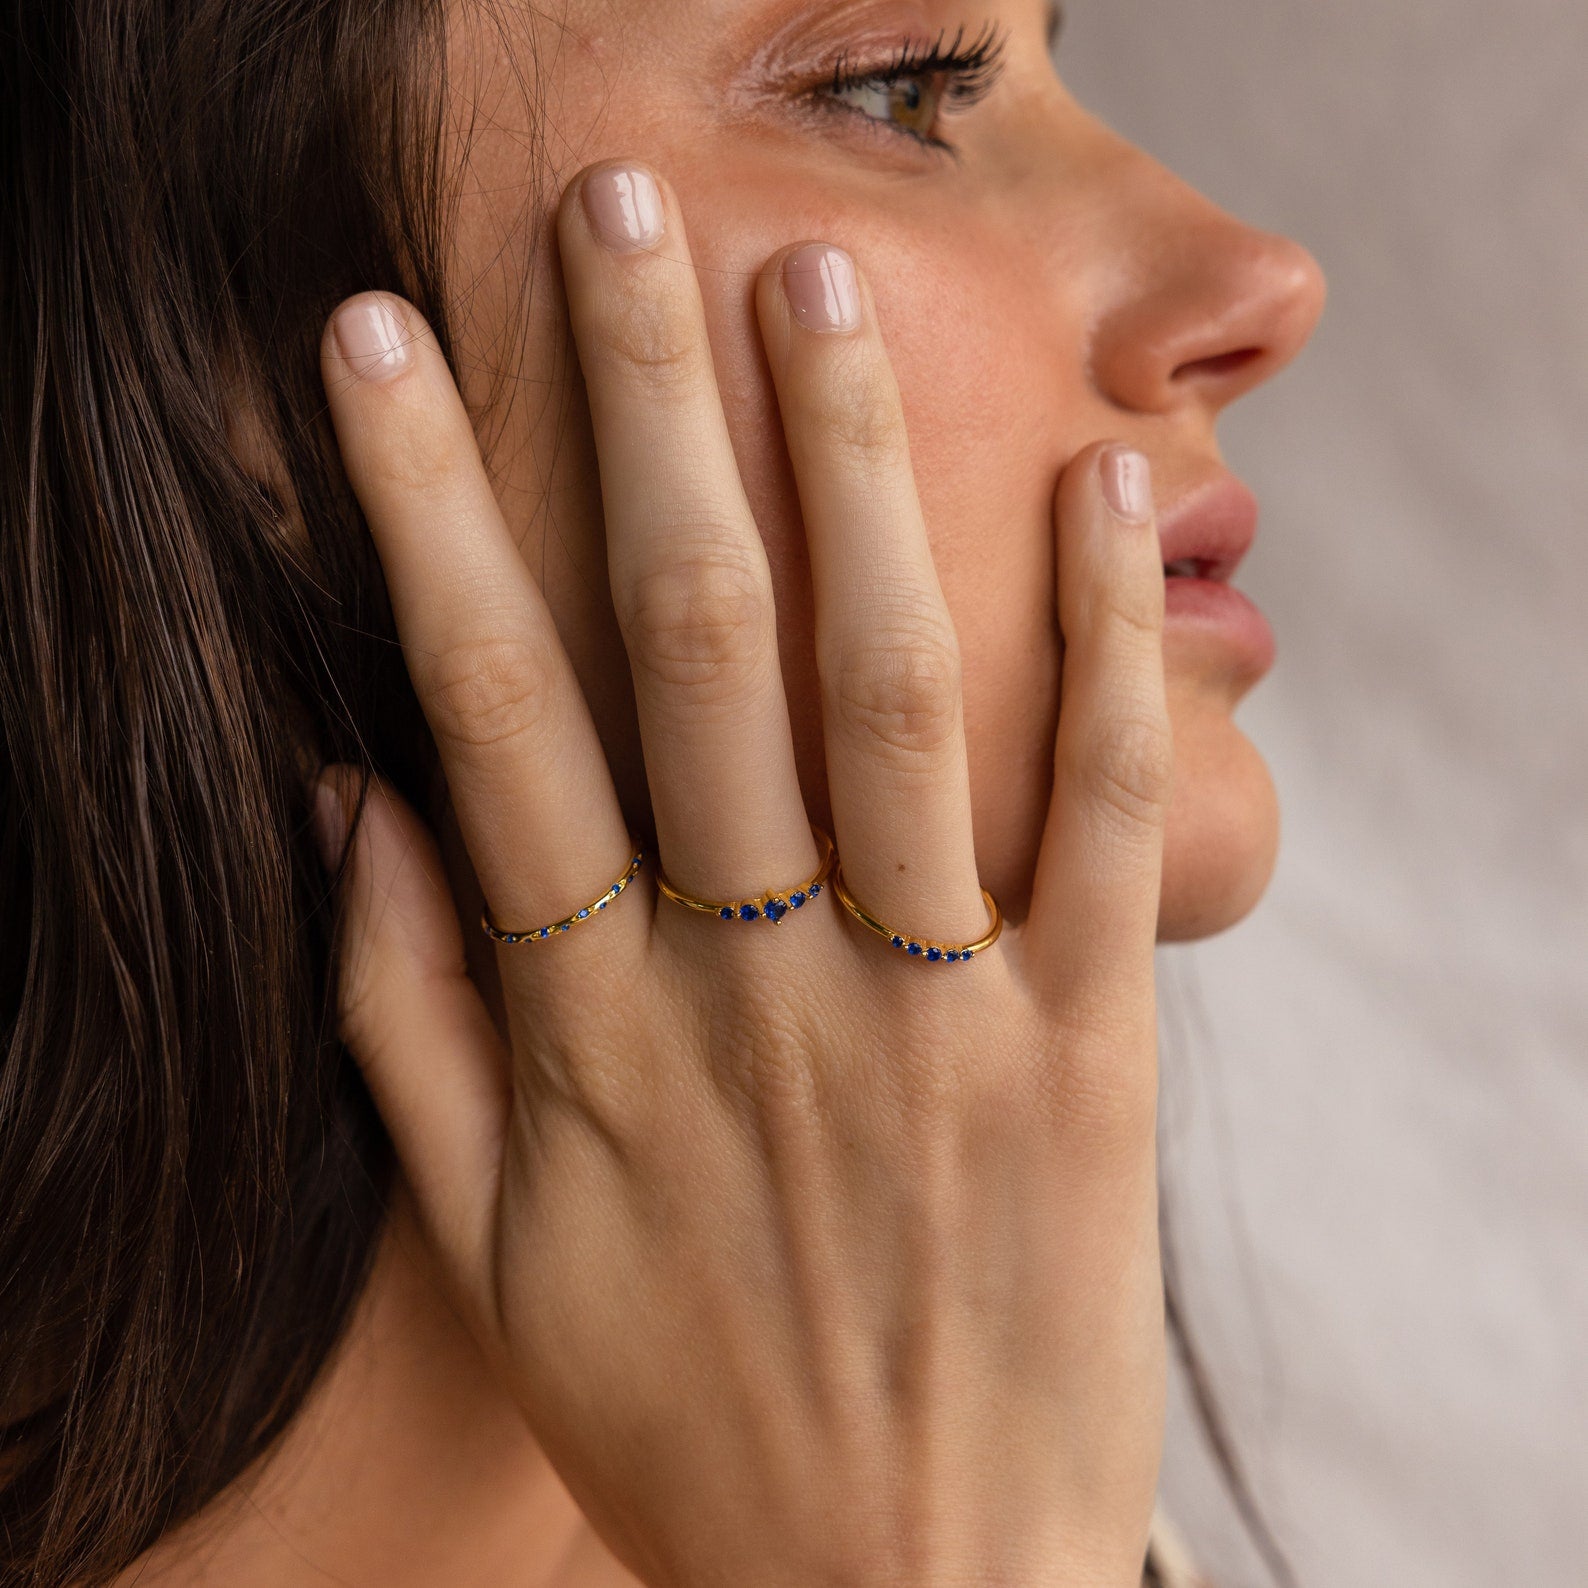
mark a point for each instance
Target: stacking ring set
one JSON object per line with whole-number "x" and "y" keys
{"x": 771, "y": 908}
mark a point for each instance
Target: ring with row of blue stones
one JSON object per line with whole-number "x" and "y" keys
{"x": 772, "y": 906}
{"x": 536, "y": 934}
{"x": 919, "y": 947}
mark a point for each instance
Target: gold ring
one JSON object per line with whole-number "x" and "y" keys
{"x": 919, "y": 947}
{"x": 771, "y": 906}
{"x": 535, "y": 934}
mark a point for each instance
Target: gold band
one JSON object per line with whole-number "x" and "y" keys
{"x": 919, "y": 947}
{"x": 538, "y": 933}
{"x": 771, "y": 906}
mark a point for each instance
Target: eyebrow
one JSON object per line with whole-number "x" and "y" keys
{"x": 1055, "y": 21}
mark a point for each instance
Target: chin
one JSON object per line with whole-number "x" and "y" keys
{"x": 1223, "y": 828}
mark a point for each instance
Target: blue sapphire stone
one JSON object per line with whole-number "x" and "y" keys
{"x": 898, "y": 942}
{"x": 583, "y": 914}
{"x": 934, "y": 954}
{"x": 774, "y": 910}
{"x": 562, "y": 926}
{"x": 816, "y": 888}
{"x": 965, "y": 953}
{"x": 601, "y": 904}
{"x": 912, "y": 948}
{"x": 545, "y": 931}
{"x": 796, "y": 898}
{"x": 952, "y": 953}
{"x": 748, "y": 912}
{"x": 726, "y": 912}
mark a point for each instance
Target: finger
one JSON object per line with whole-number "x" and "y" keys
{"x": 690, "y": 581}
{"x": 525, "y": 767}
{"x": 1094, "y": 908}
{"x": 885, "y": 643}
{"x": 411, "y": 1017}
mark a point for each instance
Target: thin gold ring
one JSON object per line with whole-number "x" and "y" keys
{"x": 568, "y": 922}
{"x": 770, "y": 906}
{"x": 919, "y": 947}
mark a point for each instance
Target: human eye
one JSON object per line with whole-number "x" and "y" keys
{"x": 912, "y": 92}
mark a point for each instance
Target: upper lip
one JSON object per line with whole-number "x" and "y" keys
{"x": 1213, "y": 524}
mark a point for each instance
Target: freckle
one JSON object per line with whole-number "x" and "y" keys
{"x": 901, "y": 865}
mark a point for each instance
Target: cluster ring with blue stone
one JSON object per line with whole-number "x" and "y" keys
{"x": 771, "y": 906}
{"x": 920, "y": 947}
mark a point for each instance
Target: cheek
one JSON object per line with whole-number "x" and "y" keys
{"x": 990, "y": 363}
{"x": 985, "y": 402}
{"x": 996, "y": 402}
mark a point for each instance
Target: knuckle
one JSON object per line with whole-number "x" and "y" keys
{"x": 1129, "y": 769}
{"x": 653, "y": 338}
{"x": 1136, "y": 617}
{"x": 603, "y": 1083}
{"x": 899, "y": 688}
{"x": 483, "y": 693}
{"x": 762, "y": 1069}
{"x": 600, "y": 1066}
{"x": 1104, "y": 1108}
{"x": 421, "y": 457}
{"x": 1097, "y": 1078}
{"x": 856, "y": 410}
{"x": 703, "y": 623}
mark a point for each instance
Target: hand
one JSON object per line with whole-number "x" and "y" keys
{"x": 809, "y": 1262}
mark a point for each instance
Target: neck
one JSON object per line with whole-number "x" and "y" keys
{"x": 407, "y": 1466}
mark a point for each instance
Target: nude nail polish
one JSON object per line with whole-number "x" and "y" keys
{"x": 624, "y": 208}
{"x": 373, "y": 342}
{"x": 819, "y": 281}
{"x": 1127, "y": 483}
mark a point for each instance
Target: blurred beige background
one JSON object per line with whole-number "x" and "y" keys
{"x": 1376, "y": 1089}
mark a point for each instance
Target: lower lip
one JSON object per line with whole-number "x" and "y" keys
{"x": 1206, "y": 606}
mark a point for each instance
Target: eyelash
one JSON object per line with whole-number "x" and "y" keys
{"x": 970, "y": 69}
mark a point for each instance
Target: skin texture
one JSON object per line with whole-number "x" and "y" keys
{"x": 1051, "y": 287}
{"x": 1050, "y": 290}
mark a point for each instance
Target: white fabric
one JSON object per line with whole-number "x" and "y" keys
{"x": 1377, "y": 1145}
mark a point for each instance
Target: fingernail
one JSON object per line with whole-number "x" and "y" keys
{"x": 1127, "y": 483}
{"x": 624, "y": 208}
{"x": 374, "y": 343}
{"x": 330, "y": 824}
{"x": 819, "y": 281}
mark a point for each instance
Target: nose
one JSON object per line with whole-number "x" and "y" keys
{"x": 1209, "y": 306}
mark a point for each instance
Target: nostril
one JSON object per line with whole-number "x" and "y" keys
{"x": 1219, "y": 366}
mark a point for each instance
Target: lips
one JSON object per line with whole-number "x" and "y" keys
{"x": 1207, "y": 531}
{"x": 1203, "y": 536}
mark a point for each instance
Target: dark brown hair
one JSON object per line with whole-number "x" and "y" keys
{"x": 190, "y": 1171}
{"x": 191, "y": 1174}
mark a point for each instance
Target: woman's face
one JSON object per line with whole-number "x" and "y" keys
{"x": 1040, "y": 285}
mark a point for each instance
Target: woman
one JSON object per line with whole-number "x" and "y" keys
{"x": 762, "y": 1210}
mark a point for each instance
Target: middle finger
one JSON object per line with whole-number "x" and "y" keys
{"x": 690, "y": 580}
